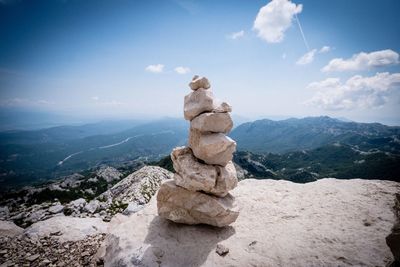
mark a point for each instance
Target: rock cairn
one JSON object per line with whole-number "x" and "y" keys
{"x": 199, "y": 192}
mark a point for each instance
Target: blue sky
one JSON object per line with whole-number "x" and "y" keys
{"x": 121, "y": 58}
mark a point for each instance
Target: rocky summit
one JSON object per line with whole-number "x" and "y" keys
{"x": 329, "y": 222}
{"x": 199, "y": 193}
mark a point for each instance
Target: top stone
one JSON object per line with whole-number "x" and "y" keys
{"x": 199, "y": 82}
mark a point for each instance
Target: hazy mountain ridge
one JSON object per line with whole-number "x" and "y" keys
{"x": 327, "y": 147}
{"x": 265, "y": 136}
{"x": 24, "y": 162}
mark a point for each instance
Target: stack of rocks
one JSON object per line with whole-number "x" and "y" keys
{"x": 199, "y": 192}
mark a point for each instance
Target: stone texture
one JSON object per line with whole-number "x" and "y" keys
{"x": 56, "y": 208}
{"x": 214, "y": 148}
{"x": 223, "y": 107}
{"x": 393, "y": 239}
{"x": 196, "y": 176}
{"x": 280, "y": 224}
{"x": 212, "y": 122}
{"x": 197, "y": 102}
{"x": 199, "y": 82}
{"x": 9, "y": 229}
{"x": 183, "y": 206}
{"x": 139, "y": 186}
{"x": 69, "y": 228}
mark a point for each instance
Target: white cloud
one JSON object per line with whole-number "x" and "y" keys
{"x": 363, "y": 61}
{"x": 158, "y": 68}
{"x": 274, "y": 19}
{"x": 95, "y": 98}
{"x": 356, "y": 92}
{"x": 25, "y": 102}
{"x": 236, "y": 35}
{"x": 307, "y": 58}
{"x": 182, "y": 70}
{"x": 324, "y": 49}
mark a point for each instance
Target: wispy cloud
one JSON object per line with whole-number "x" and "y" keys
{"x": 363, "y": 61}
{"x": 308, "y": 57}
{"x": 236, "y": 35}
{"x": 25, "y": 102}
{"x": 274, "y": 19}
{"x": 158, "y": 68}
{"x": 182, "y": 70}
{"x": 356, "y": 92}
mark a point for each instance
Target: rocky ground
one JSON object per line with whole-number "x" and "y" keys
{"x": 49, "y": 251}
{"x": 329, "y": 222}
{"x": 61, "y": 234}
{"x": 325, "y": 223}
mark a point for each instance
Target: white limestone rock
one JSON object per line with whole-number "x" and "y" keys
{"x": 199, "y": 82}
{"x": 212, "y": 148}
{"x": 280, "y": 224}
{"x": 92, "y": 206}
{"x": 197, "y": 102}
{"x": 9, "y": 229}
{"x": 68, "y": 228}
{"x": 137, "y": 187}
{"x": 56, "y": 208}
{"x": 196, "y": 176}
{"x": 183, "y": 206}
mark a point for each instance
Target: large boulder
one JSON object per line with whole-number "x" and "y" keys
{"x": 9, "y": 229}
{"x": 138, "y": 187}
{"x": 212, "y": 148}
{"x": 330, "y": 222}
{"x": 67, "y": 228}
{"x": 196, "y": 176}
{"x": 197, "y": 102}
{"x": 183, "y": 206}
{"x": 212, "y": 122}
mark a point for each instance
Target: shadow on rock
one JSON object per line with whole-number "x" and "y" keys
{"x": 172, "y": 244}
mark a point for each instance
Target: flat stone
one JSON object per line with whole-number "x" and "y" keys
{"x": 196, "y": 176}
{"x": 56, "y": 209}
{"x": 212, "y": 122}
{"x": 10, "y": 229}
{"x": 197, "y": 102}
{"x": 199, "y": 82}
{"x": 212, "y": 148}
{"x": 183, "y": 206}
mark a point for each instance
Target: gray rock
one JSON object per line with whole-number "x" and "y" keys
{"x": 92, "y": 206}
{"x": 132, "y": 208}
{"x": 67, "y": 228}
{"x": 56, "y": 209}
{"x": 9, "y": 229}
{"x": 221, "y": 250}
{"x": 223, "y": 107}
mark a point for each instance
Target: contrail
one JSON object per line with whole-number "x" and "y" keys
{"x": 302, "y": 33}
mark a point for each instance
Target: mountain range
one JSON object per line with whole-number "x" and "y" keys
{"x": 295, "y": 149}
